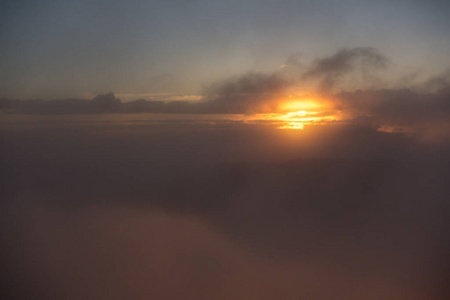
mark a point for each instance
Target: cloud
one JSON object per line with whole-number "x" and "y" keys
{"x": 424, "y": 107}
{"x": 437, "y": 84}
{"x": 127, "y": 251}
{"x": 341, "y": 210}
{"x": 345, "y": 79}
{"x": 263, "y": 92}
{"x": 100, "y": 104}
{"x": 330, "y": 70}
{"x": 256, "y": 92}
{"x": 252, "y": 92}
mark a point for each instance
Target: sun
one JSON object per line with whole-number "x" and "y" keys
{"x": 295, "y": 114}
{"x": 299, "y": 105}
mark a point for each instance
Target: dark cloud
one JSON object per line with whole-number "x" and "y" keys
{"x": 437, "y": 84}
{"x": 91, "y": 204}
{"x": 101, "y": 104}
{"x": 247, "y": 93}
{"x": 255, "y": 92}
{"x": 331, "y": 69}
{"x": 252, "y": 92}
{"x": 346, "y": 59}
{"x": 418, "y": 107}
{"x": 415, "y": 109}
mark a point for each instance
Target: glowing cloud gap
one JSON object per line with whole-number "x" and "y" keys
{"x": 296, "y": 113}
{"x": 294, "y": 120}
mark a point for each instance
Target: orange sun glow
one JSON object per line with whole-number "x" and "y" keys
{"x": 295, "y": 114}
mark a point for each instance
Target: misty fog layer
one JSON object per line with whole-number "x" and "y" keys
{"x": 101, "y": 207}
{"x": 229, "y": 150}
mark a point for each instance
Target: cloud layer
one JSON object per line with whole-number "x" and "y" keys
{"x": 101, "y": 208}
{"x": 348, "y": 79}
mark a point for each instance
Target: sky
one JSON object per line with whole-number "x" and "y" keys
{"x": 224, "y": 150}
{"x": 63, "y": 49}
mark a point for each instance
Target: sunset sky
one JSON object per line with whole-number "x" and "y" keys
{"x": 62, "y": 49}
{"x": 225, "y": 150}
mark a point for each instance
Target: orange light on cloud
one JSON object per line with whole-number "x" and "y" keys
{"x": 299, "y": 105}
{"x": 297, "y": 113}
{"x": 292, "y": 125}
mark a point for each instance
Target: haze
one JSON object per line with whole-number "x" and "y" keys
{"x": 224, "y": 150}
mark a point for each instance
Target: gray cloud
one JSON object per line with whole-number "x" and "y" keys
{"x": 424, "y": 107}
{"x": 345, "y": 60}
{"x": 437, "y": 84}
{"x": 331, "y": 69}
{"x": 100, "y": 104}
{"x": 255, "y": 92}
{"x": 88, "y": 203}
{"x": 248, "y": 93}
{"x": 419, "y": 107}
{"x": 252, "y": 92}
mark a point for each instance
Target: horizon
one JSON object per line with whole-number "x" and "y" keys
{"x": 251, "y": 149}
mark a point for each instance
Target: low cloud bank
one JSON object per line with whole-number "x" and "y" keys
{"x": 157, "y": 211}
{"x": 349, "y": 79}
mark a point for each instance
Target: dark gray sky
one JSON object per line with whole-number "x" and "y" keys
{"x": 56, "y": 49}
